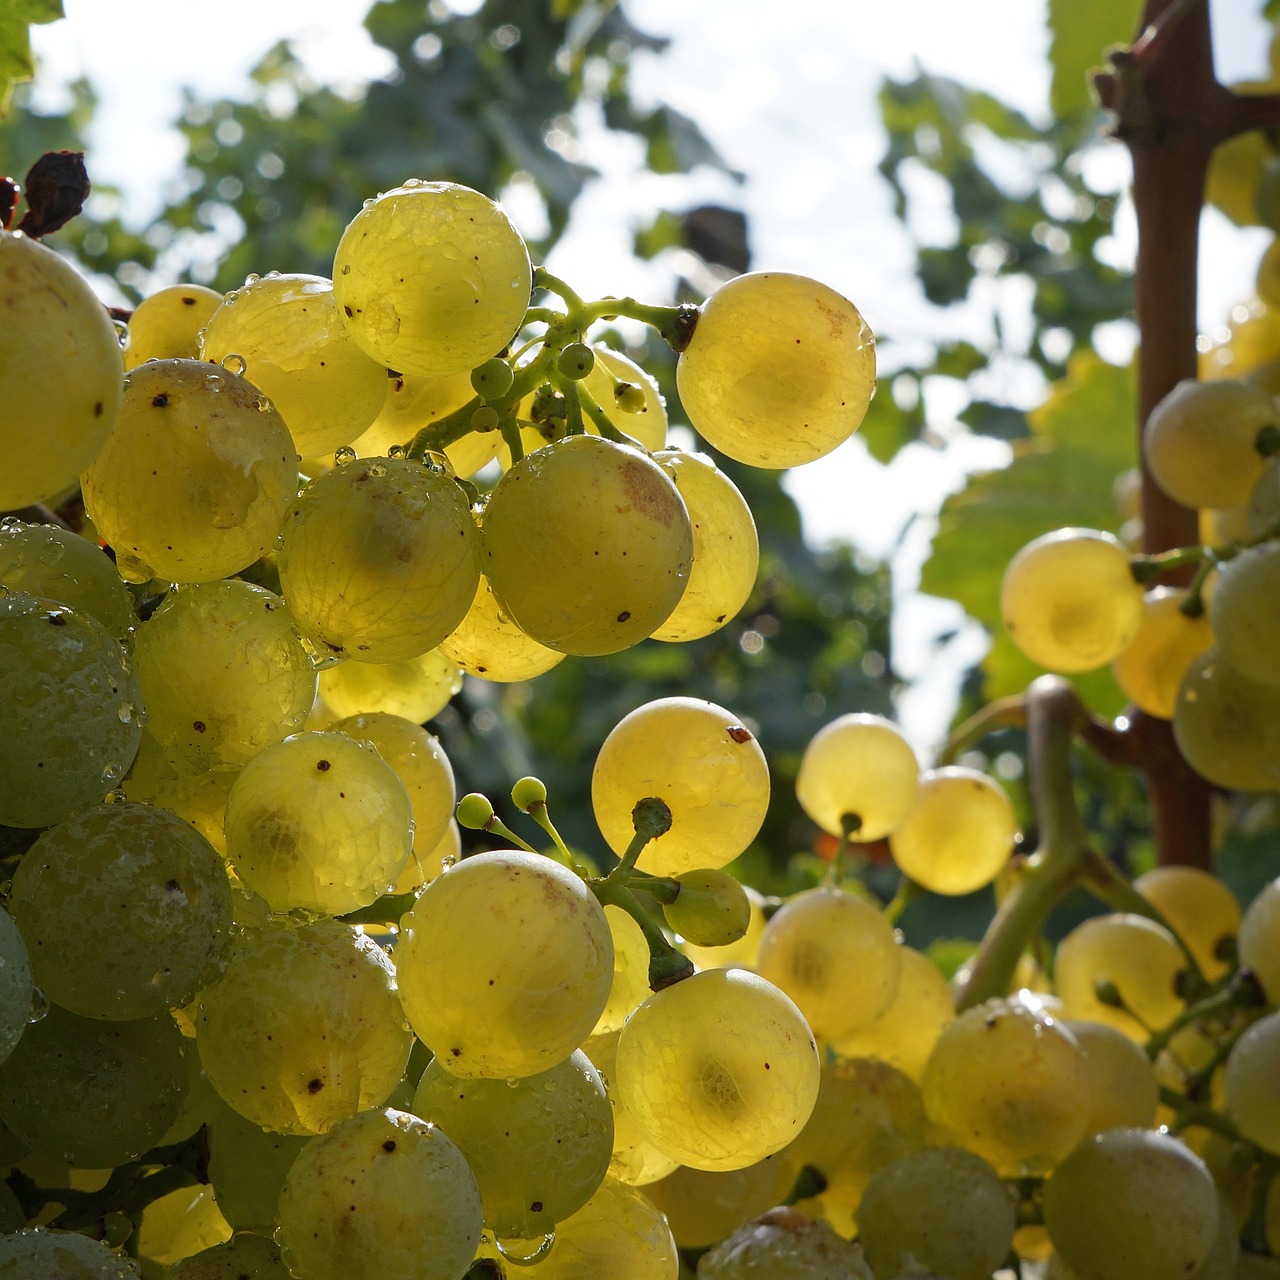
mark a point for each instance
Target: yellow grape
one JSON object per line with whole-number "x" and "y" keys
{"x": 298, "y": 352}
{"x": 176, "y": 1225}
{"x": 488, "y": 644}
{"x": 199, "y": 799}
{"x": 17, "y": 992}
{"x": 47, "y": 1252}
{"x": 417, "y": 690}
{"x": 1252, "y": 1083}
{"x": 195, "y": 479}
{"x": 432, "y": 278}
{"x": 1245, "y": 612}
{"x": 703, "y": 1206}
{"x": 1151, "y": 668}
{"x": 630, "y": 971}
{"x": 861, "y": 767}
{"x": 587, "y": 545}
{"x": 719, "y": 1070}
{"x": 1121, "y": 1082}
{"x": 1199, "y": 908}
{"x": 166, "y": 324}
{"x": 1263, "y": 510}
{"x": 697, "y": 758}
{"x": 1259, "y": 941}
{"x": 744, "y": 951}
{"x": 779, "y": 371}
{"x": 424, "y": 865}
{"x": 958, "y": 834}
{"x": 711, "y": 908}
{"x": 60, "y": 372}
{"x": 612, "y": 371}
{"x": 726, "y": 549}
{"x": 1069, "y": 600}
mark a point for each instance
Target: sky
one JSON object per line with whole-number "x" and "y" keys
{"x": 788, "y": 95}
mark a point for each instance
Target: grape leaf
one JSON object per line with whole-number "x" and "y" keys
{"x": 16, "y": 18}
{"x": 1079, "y": 31}
{"x": 1081, "y": 438}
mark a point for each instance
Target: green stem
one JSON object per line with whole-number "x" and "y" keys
{"x": 908, "y": 891}
{"x": 543, "y": 279}
{"x": 1189, "y": 1114}
{"x": 666, "y": 964}
{"x": 652, "y": 818}
{"x": 1004, "y": 713}
{"x": 389, "y": 909}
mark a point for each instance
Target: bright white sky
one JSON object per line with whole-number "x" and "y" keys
{"x": 787, "y": 92}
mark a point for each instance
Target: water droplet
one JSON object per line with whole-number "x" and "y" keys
{"x": 397, "y": 451}
{"x": 234, "y": 363}
{"x": 125, "y": 712}
{"x": 252, "y": 278}
{"x": 374, "y": 469}
{"x": 39, "y": 1006}
{"x": 344, "y": 455}
{"x": 122, "y": 331}
{"x": 449, "y": 860}
{"x": 524, "y": 1253}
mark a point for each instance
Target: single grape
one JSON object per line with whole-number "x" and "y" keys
{"x": 416, "y": 690}
{"x": 711, "y": 909}
{"x": 1245, "y": 614}
{"x": 743, "y": 952}
{"x": 1199, "y": 908}
{"x": 199, "y": 799}
{"x": 1259, "y": 940}
{"x": 1252, "y": 1083}
{"x": 1121, "y": 1083}
{"x": 575, "y": 361}
{"x": 489, "y": 645}
{"x": 784, "y": 1244}
{"x": 176, "y": 1225}
{"x": 166, "y": 324}
{"x": 703, "y": 1206}
{"x": 1155, "y": 663}
{"x": 45, "y": 1254}
{"x": 1228, "y": 726}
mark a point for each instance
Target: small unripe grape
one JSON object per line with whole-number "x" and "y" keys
{"x": 492, "y": 379}
{"x": 575, "y": 361}
{"x": 711, "y": 910}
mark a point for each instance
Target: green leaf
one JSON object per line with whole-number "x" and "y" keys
{"x": 1081, "y": 438}
{"x": 16, "y": 16}
{"x": 1080, "y": 30}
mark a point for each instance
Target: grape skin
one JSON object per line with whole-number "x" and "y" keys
{"x": 166, "y": 324}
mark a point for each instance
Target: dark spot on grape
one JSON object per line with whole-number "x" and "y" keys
{"x": 188, "y": 301}
{"x": 389, "y": 1145}
{"x": 457, "y": 1053}
{"x": 57, "y": 620}
{"x": 314, "y": 1086}
{"x": 536, "y": 1207}
{"x": 173, "y": 886}
{"x": 624, "y": 615}
{"x": 348, "y": 312}
{"x": 767, "y": 1067}
{"x": 97, "y": 408}
{"x": 323, "y": 766}
{"x": 198, "y": 726}
{"x": 160, "y": 401}
{"x": 739, "y": 734}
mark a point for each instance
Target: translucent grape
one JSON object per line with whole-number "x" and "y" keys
{"x": 705, "y": 1206}
{"x": 489, "y": 645}
{"x": 719, "y": 1070}
{"x": 304, "y": 1028}
{"x": 645, "y": 420}
{"x": 16, "y": 991}
{"x": 1259, "y": 940}
{"x": 711, "y": 909}
{"x": 744, "y": 951}
{"x": 432, "y": 278}
{"x": 505, "y": 964}
{"x": 630, "y": 971}
{"x": 166, "y": 324}
{"x": 1199, "y": 908}
{"x": 199, "y": 799}
{"x": 1121, "y": 1082}
{"x": 861, "y": 767}
{"x": 60, "y": 367}
{"x": 70, "y": 717}
{"x": 416, "y": 690}
{"x": 1069, "y": 600}
{"x": 44, "y": 1254}
{"x": 1245, "y": 612}
{"x": 243, "y": 1257}
{"x": 784, "y": 1244}
{"x": 381, "y": 1196}
{"x": 587, "y": 545}
{"x": 1252, "y": 1083}
{"x": 1151, "y": 669}
{"x": 299, "y": 352}
{"x": 176, "y": 1225}
{"x": 780, "y": 370}
{"x": 697, "y": 758}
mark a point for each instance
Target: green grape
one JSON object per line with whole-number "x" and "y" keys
{"x": 575, "y": 361}
{"x": 17, "y": 994}
{"x": 380, "y": 560}
{"x": 1200, "y": 441}
{"x": 705, "y": 1206}
{"x": 70, "y": 717}
{"x": 1251, "y": 1083}
{"x": 1121, "y": 1082}
{"x": 319, "y": 822}
{"x": 432, "y": 278}
{"x": 166, "y": 324}
{"x": 126, "y": 911}
{"x": 860, "y": 767}
{"x": 743, "y": 952}
{"x": 247, "y": 1167}
{"x": 299, "y": 352}
{"x": 487, "y": 644}
{"x": 1245, "y": 615}
{"x": 93, "y": 1093}
{"x": 196, "y": 477}
{"x": 644, "y": 416}
{"x": 1200, "y": 910}
{"x": 945, "y": 1209}
{"x": 630, "y": 971}
{"x": 726, "y": 550}
{"x": 702, "y": 762}
{"x": 1263, "y": 510}
{"x": 835, "y": 955}
{"x": 1069, "y": 600}
{"x": 1136, "y": 957}
{"x": 719, "y": 1070}
{"x": 1228, "y": 726}
{"x": 1132, "y": 1204}
{"x": 1151, "y": 668}
{"x": 243, "y": 1257}
{"x": 176, "y": 1225}
{"x": 784, "y": 1244}
{"x": 1259, "y": 940}
{"x": 587, "y": 545}
{"x": 711, "y": 909}
{"x": 538, "y": 1147}
{"x": 905, "y": 1033}
{"x": 199, "y": 799}
{"x": 381, "y": 1196}
{"x": 779, "y": 371}
{"x": 223, "y": 674}
{"x": 505, "y": 964}
{"x": 416, "y": 690}
{"x": 60, "y": 372}
{"x": 493, "y": 378}
{"x": 958, "y": 834}
{"x": 52, "y": 562}
{"x": 419, "y": 762}
{"x": 44, "y": 1254}
{"x": 304, "y": 1028}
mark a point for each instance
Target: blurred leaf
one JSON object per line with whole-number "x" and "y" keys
{"x": 998, "y": 420}
{"x": 1080, "y": 30}
{"x": 666, "y": 231}
{"x": 887, "y": 426}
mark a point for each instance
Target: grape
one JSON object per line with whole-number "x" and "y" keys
{"x": 432, "y": 278}
{"x": 946, "y": 1209}
{"x": 299, "y": 352}
{"x": 697, "y": 758}
{"x": 223, "y": 673}
{"x": 1140, "y": 959}
{"x": 43, "y": 1254}
{"x": 1199, "y": 908}
{"x": 247, "y": 1167}
{"x": 166, "y": 324}
{"x": 587, "y": 545}
{"x": 1151, "y": 669}
{"x": 1069, "y": 600}
{"x": 538, "y": 1147}
{"x": 69, "y": 711}
{"x": 1228, "y": 726}
{"x": 1252, "y": 1083}
{"x": 1132, "y": 1204}
{"x": 642, "y": 417}
{"x": 744, "y": 951}
{"x": 784, "y": 1244}
{"x": 505, "y": 964}
{"x": 719, "y": 1070}
{"x": 779, "y": 371}
{"x": 16, "y": 990}
{"x": 630, "y": 971}
{"x": 1259, "y": 940}
{"x": 835, "y": 955}
{"x": 958, "y": 835}
{"x": 60, "y": 372}
{"x": 711, "y": 908}
{"x": 199, "y": 799}
{"x": 416, "y": 690}
{"x": 861, "y": 767}
{"x": 48, "y": 561}
{"x": 94, "y": 1093}
{"x": 487, "y": 644}
{"x": 704, "y": 1206}
{"x": 126, "y": 911}
{"x": 726, "y": 550}
{"x": 381, "y": 1196}
{"x": 379, "y": 560}
{"x": 243, "y": 1257}
{"x": 304, "y": 1028}
{"x": 1121, "y": 1082}
{"x": 176, "y": 1225}
{"x": 1263, "y": 510}
{"x": 196, "y": 477}
{"x": 1245, "y": 614}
